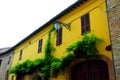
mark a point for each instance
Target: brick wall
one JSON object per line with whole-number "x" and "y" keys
{"x": 113, "y": 9}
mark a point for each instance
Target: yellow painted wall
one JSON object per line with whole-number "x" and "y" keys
{"x": 98, "y": 25}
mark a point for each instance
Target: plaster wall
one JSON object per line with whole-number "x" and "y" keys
{"x": 5, "y": 64}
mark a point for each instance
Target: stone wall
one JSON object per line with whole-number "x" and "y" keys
{"x": 113, "y": 9}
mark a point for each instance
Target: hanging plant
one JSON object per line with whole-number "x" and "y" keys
{"x": 55, "y": 66}
{"x": 45, "y": 69}
{"x": 86, "y": 47}
{"x": 67, "y": 60}
{"x": 24, "y": 68}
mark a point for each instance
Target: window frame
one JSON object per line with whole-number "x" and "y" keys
{"x": 85, "y": 23}
{"x": 0, "y": 62}
{"x": 7, "y": 75}
{"x": 12, "y": 77}
{"x": 59, "y": 37}
{"x": 20, "y": 56}
{"x": 40, "y": 42}
{"x": 9, "y": 59}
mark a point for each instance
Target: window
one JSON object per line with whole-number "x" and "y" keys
{"x": 12, "y": 77}
{"x": 9, "y": 60}
{"x": 59, "y": 37}
{"x": 40, "y": 45}
{"x": 20, "y": 57}
{"x": 0, "y": 62}
{"x": 85, "y": 23}
{"x": 7, "y": 74}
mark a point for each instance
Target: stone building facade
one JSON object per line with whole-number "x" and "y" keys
{"x": 113, "y": 9}
{"x": 5, "y": 63}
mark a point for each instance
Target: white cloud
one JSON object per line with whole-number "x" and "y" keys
{"x": 19, "y": 18}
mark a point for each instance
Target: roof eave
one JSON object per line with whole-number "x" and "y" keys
{"x": 70, "y": 8}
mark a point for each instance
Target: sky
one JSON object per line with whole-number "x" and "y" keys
{"x": 19, "y": 18}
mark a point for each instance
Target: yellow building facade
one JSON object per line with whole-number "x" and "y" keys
{"x": 90, "y": 14}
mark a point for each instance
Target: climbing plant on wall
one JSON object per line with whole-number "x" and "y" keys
{"x": 50, "y": 66}
{"x": 46, "y": 66}
{"x": 86, "y": 47}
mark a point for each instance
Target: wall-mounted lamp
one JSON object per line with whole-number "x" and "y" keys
{"x": 59, "y": 24}
{"x": 108, "y": 47}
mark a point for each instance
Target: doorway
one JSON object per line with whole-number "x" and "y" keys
{"x": 20, "y": 77}
{"x": 90, "y": 70}
{"x": 36, "y": 76}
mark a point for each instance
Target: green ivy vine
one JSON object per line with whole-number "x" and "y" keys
{"x": 86, "y": 47}
{"x": 50, "y": 66}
